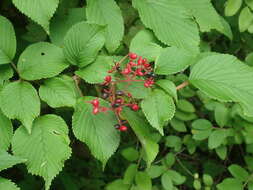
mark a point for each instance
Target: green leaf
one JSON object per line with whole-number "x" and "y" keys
{"x": 245, "y": 19}
{"x": 176, "y": 177}
{"x": 231, "y": 184}
{"x": 19, "y": 100}
{"x": 221, "y": 77}
{"x": 40, "y": 11}
{"x": 107, "y": 12}
{"x": 207, "y": 179}
{"x": 83, "y": 42}
{"x": 6, "y": 72}
{"x": 201, "y": 129}
{"x": 60, "y": 24}
{"x": 216, "y": 138}
{"x": 6, "y": 132}
{"x": 155, "y": 171}
{"x": 174, "y": 142}
{"x": 58, "y": 92}
{"x": 97, "y": 131}
{"x": 145, "y": 45}
{"x": 143, "y": 131}
{"x": 143, "y": 181}
{"x": 178, "y": 125}
{"x": 232, "y": 6}
{"x": 116, "y": 185}
{"x": 41, "y": 60}
{"x": 7, "y": 160}
{"x": 221, "y": 114}
{"x": 130, "y": 154}
{"x": 45, "y": 149}
{"x": 170, "y": 22}
{"x": 185, "y": 106}
{"x": 249, "y": 3}
{"x": 238, "y": 172}
{"x": 97, "y": 71}
{"x": 173, "y": 60}
{"x": 158, "y": 108}
{"x": 221, "y": 152}
{"x": 7, "y": 41}
{"x": 166, "y": 182}
{"x": 35, "y": 33}
{"x": 168, "y": 86}
{"x": 7, "y": 184}
{"x": 130, "y": 174}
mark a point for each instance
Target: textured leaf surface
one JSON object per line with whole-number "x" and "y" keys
{"x": 41, "y": 60}
{"x": 97, "y": 71}
{"x": 83, "y": 42}
{"x": 168, "y": 86}
{"x": 216, "y": 138}
{"x": 225, "y": 78}
{"x": 6, "y": 132}
{"x": 6, "y": 72}
{"x": 7, "y": 184}
{"x": 40, "y": 11}
{"x": 19, "y": 100}
{"x": 107, "y": 12}
{"x": 173, "y": 60}
{"x": 170, "y": 22}
{"x": 158, "y": 108}
{"x": 7, "y": 160}
{"x": 142, "y": 130}
{"x": 144, "y": 44}
{"x": 7, "y": 41}
{"x": 58, "y": 92}
{"x": 46, "y": 148}
{"x": 97, "y": 131}
{"x": 231, "y": 184}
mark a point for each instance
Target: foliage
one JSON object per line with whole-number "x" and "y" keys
{"x": 184, "y": 119}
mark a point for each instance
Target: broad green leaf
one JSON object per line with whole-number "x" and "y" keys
{"x": 107, "y": 12}
{"x": 116, "y": 185}
{"x": 7, "y": 184}
{"x": 245, "y": 19}
{"x": 201, "y": 129}
{"x": 185, "y": 106}
{"x": 158, "y": 108}
{"x": 173, "y": 60}
{"x": 130, "y": 173}
{"x": 185, "y": 116}
{"x": 232, "y": 6}
{"x": 231, "y": 184}
{"x": 143, "y": 131}
{"x": 6, "y": 72}
{"x": 143, "y": 181}
{"x": 58, "y": 92}
{"x": 221, "y": 77}
{"x": 97, "y": 71}
{"x": 173, "y": 142}
{"x": 145, "y": 45}
{"x": 155, "y": 171}
{"x": 40, "y": 11}
{"x": 221, "y": 151}
{"x": 35, "y": 33}
{"x": 83, "y": 42}
{"x": 7, "y": 160}
{"x": 249, "y": 3}
{"x": 41, "y": 60}
{"x": 6, "y": 132}
{"x": 97, "y": 131}
{"x": 130, "y": 154}
{"x": 176, "y": 177}
{"x": 178, "y": 125}
{"x": 168, "y": 86}
{"x": 60, "y": 24}
{"x": 170, "y": 22}
{"x": 166, "y": 182}
{"x": 238, "y": 172}
{"x": 19, "y": 100}
{"x": 216, "y": 138}
{"x": 45, "y": 149}
{"x": 169, "y": 160}
{"x": 7, "y": 41}
{"x": 205, "y": 15}
{"x": 221, "y": 114}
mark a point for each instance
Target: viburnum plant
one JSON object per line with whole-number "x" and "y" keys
{"x": 126, "y": 94}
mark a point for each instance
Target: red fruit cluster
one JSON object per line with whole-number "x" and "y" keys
{"x": 137, "y": 69}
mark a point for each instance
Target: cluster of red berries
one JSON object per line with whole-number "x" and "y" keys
{"x": 134, "y": 71}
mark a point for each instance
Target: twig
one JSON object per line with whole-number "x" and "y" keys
{"x": 182, "y": 165}
{"x": 77, "y": 81}
{"x": 184, "y": 84}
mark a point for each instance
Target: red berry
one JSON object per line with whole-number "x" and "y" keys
{"x": 126, "y": 71}
{"x": 135, "y": 107}
{"x": 95, "y": 102}
{"x": 139, "y": 62}
{"x": 123, "y": 128}
{"x": 132, "y": 55}
{"x": 131, "y": 63}
{"x": 144, "y": 61}
{"x": 138, "y": 72}
{"x": 146, "y": 65}
{"x": 108, "y": 79}
{"x": 95, "y": 110}
{"x": 147, "y": 84}
{"x": 119, "y": 101}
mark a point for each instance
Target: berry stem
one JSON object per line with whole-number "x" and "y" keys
{"x": 184, "y": 84}
{"x": 77, "y": 81}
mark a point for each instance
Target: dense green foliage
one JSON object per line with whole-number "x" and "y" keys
{"x": 194, "y": 129}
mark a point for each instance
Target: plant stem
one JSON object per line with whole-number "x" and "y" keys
{"x": 15, "y": 68}
{"x": 77, "y": 81}
{"x": 184, "y": 84}
{"x": 182, "y": 165}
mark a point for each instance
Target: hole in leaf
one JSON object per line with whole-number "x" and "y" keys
{"x": 42, "y": 53}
